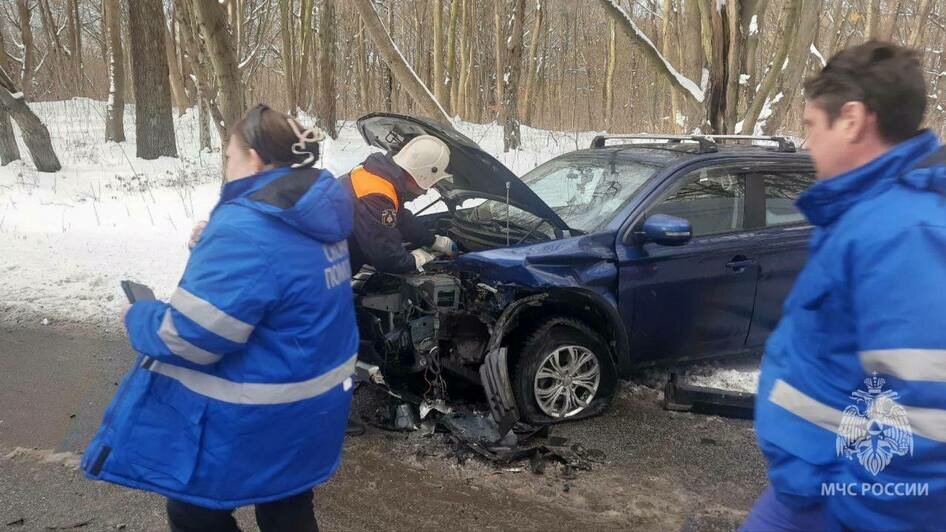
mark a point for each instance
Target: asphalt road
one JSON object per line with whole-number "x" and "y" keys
{"x": 661, "y": 470}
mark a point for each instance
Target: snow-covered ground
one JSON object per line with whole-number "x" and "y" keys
{"x": 67, "y": 239}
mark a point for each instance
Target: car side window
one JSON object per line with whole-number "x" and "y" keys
{"x": 781, "y": 191}
{"x": 712, "y": 200}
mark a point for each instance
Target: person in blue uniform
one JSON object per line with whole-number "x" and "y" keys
{"x": 851, "y": 408}
{"x": 244, "y": 381}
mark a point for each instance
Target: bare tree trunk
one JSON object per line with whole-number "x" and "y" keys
{"x": 609, "y": 78}
{"x": 694, "y": 59}
{"x": 203, "y": 129}
{"x": 665, "y": 50}
{"x": 459, "y": 107}
{"x": 26, "y": 38}
{"x": 398, "y": 65}
{"x": 55, "y": 48}
{"x": 449, "y": 84}
{"x": 327, "y": 89}
{"x": 650, "y": 53}
{"x": 307, "y": 41}
{"x": 35, "y": 134}
{"x": 9, "y": 151}
{"x": 287, "y": 32}
{"x": 512, "y": 137}
{"x": 468, "y": 102}
{"x": 798, "y": 61}
{"x": 889, "y": 28}
{"x": 789, "y": 28}
{"x": 388, "y": 75}
{"x": 437, "y": 77}
{"x": 174, "y": 72}
{"x": 154, "y": 125}
{"x": 363, "y": 81}
{"x": 532, "y": 60}
{"x": 753, "y": 18}
{"x": 736, "y": 58}
{"x": 919, "y": 23}
{"x": 716, "y": 45}
{"x": 115, "y": 109}
{"x": 499, "y": 53}
{"x": 207, "y": 108}
{"x": 839, "y": 22}
{"x": 872, "y": 29}
{"x": 75, "y": 44}
{"x": 212, "y": 20}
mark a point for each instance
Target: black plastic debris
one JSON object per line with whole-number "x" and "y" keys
{"x": 481, "y": 434}
{"x": 398, "y": 416}
{"x": 702, "y": 400}
{"x": 477, "y": 428}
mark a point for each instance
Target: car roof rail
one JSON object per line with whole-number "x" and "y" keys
{"x": 785, "y": 144}
{"x": 706, "y": 144}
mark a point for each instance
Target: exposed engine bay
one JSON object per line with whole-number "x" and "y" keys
{"x": 425, "y": 325}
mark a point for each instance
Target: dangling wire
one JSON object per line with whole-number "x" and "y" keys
{"x": 312, "y": 135}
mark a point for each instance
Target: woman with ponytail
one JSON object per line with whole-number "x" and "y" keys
{"x": 242, "y": 388}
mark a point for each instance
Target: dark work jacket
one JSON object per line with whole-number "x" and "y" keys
{"x": 381, "y": 223}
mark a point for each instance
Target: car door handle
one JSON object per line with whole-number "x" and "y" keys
{"x": 740, "y": 263}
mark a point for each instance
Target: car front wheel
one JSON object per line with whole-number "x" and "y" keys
{"x": 563, "y": 372}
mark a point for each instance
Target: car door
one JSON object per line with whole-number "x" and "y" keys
{"x": 780, "y": 234}
{"x": 695, "y": 299}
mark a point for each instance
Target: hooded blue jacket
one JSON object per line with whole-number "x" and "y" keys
{"x": 242, "y": 390}
{"x": 851, "y": 410}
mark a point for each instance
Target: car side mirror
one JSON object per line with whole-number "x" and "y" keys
{"x": 667, "y": 230}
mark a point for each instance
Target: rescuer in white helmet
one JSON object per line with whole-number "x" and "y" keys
{"x": 380, "y": 187}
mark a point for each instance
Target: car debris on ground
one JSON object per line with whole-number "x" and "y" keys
{"x": 470, "y": 431}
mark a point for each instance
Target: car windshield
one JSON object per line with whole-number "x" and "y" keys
{"x": 585, "y": 192}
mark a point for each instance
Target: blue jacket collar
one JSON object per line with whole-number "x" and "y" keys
{"x": 248, "y": 185}
{"x": 827, "y": 200}
{"x": 308, "y": 199}
{"x": 929, "y": 175}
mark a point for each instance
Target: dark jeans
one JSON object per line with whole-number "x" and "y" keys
{"x": 292, "y": 514}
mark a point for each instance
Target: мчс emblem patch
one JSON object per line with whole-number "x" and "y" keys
{"x": 388, "y": 217}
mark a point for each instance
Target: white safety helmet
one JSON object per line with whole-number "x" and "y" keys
{"x": 425, "y": 158}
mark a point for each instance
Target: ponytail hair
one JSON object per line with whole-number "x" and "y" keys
{"x": 278, "y": 138}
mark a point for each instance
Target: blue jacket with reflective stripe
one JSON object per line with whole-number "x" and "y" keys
{"x": 242, "y": 390}
{"x": 851, "y": 410}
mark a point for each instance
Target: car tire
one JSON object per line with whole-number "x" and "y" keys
{"x": 549, "y": 349}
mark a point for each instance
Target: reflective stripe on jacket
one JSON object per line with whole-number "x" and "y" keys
{"x": 851, "y": 410}
{"x": 242, "y": 390}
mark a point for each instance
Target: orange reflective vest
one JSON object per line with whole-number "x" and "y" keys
{"x": 365, "y": 183}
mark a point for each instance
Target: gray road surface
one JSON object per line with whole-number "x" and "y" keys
{"x": 662, "y": 471}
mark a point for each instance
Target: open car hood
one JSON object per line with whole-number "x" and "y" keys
{"x": 473, "y": 169}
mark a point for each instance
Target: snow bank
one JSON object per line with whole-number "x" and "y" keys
{"x": 68, "y": 238}
{"x": 739, "y": 374}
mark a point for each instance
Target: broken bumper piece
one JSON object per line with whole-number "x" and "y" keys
{"x": 701, "y": 400}
{"x": 494, "y": 375}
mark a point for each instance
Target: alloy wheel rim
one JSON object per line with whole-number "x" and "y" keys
{"x": 567, "y": 381}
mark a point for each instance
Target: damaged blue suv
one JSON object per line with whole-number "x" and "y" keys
{"x": 636, "y": 251}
